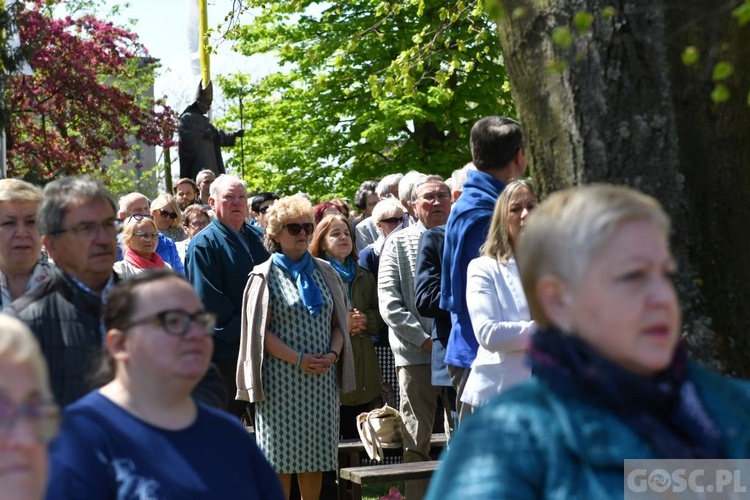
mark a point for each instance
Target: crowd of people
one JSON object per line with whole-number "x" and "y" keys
{"x": 165, "y": 329}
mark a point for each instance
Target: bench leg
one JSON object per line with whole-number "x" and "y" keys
{"x": 356, "y": 491}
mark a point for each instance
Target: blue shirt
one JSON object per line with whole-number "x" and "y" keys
{"x": 465, "y": 233}
{"x": 103, "y": 451}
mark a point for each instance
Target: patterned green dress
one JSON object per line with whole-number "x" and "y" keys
{"x": 297, "y": 425}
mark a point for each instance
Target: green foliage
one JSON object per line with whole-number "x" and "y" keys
{"x": 690, "y": 56}
{"x": 722, "y": 71}
{"x": 742, "y": 13}
{"x": 562, "y": 36}
{"x": 367, "y": 88}
{"x": 583, "y": 21}
{"x": 720, "y": 94}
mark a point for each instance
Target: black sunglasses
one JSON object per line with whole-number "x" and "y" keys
{"x": 295, "y": 229}
{"x": 165, "y": 213}
{"x": 263, "y": 210}
{"x": 392, "y": 220}
{"x": 140, "y": 217}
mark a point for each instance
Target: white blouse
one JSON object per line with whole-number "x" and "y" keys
{"x": 502, "y": 325}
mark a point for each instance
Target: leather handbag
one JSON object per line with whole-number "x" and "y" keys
{"x": 380, "y": 429}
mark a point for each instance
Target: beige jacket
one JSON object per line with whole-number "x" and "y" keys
{"x": 254, "y": 319}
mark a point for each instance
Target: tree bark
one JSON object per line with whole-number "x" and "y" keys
{"x": 618, "y": 105}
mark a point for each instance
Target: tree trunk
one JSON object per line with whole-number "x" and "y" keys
{"x": 614, "y": 103}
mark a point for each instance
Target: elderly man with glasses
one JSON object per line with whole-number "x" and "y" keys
{"x": 78, "y": 223}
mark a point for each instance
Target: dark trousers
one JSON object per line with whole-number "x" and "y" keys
{"x": 228, "y": 370}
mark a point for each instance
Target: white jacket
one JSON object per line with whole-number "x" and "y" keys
{"x": 501, "y": 322}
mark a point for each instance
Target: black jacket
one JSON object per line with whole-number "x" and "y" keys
{"x": 66, "y": 320}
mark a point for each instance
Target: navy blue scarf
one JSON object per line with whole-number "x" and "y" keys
{"x": 301, "y": 272}
{"x": 651, "y": 406}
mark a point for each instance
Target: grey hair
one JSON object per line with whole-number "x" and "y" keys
{"x": 406, "y": 185}
{"x": 202, "y": 174}
{"x": 421, "y": 181}
{"x": 61, "y": 194}
{"x": 384, "y": 186}
{"x": 222, "y": 182}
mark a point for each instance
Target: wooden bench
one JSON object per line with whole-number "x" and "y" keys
{"x": 386, "y": 473}
{"x": 350, "y": 456}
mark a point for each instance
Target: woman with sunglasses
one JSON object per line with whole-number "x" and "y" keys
{"x": 166, "y": 214}
{"x": 28, "y": 415}
{"x": 139, "y": 237}
{"x": 142, "y": 435}
{"x": 295, "y": 352}
{"x": 332, "y": 241}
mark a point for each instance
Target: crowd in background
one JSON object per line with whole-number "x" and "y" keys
{"x": 167, "y": 328}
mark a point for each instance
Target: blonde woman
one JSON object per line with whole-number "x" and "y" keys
{"x": 28, "y": 415}
{"x": 295, "y": 352}
{"x": 22, "y": 263}
{"x": 496, "y": 302}
{"x": 139, "y": 238}
{"x": 612, "y": 379}
{"x": 168, "y": 218}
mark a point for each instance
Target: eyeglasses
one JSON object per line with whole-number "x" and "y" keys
{"x": 392, "y": 220}
{"x": 44, "y": 417}
{"x": 442, "y": 196}
{"x": 146, "y": 236}
{"x": 166, "y": 213}
{"x": 295, "y": 229}
{"x": 177, "y": 322}
{"x": 89, "y": 230}
{"x": 198, "y": 224}
{"x": 139, "y": 217}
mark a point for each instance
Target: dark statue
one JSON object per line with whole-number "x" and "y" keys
{"x": 200, "y": 142}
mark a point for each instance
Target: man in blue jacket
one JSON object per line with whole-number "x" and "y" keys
{"x": 217, "y": 263}
{"x": 498, "y": 154}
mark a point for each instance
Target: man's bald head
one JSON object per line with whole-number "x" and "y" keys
{"x": 133, "y": 203}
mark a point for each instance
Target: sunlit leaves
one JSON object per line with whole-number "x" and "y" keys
{"x": 690, "y": 56}
{"x": 722, "y": 71}
{"x": 562, "y": 36}
{"x": 742, "y": 13}
{"x": 583, "y": 21}
{"x": 370, "y": 88}
{"x": 720, "y": 94}
{"x": 81, "y": 102}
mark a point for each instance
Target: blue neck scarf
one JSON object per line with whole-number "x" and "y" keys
{"x": 347, "y": 271}
{"x": 301, "y": 272}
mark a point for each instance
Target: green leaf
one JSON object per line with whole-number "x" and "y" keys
{"x": 742, "y": 13}
{"x": 562, "y": 36}
{"x": 609, "y": 12}
{"x": 720, "y": 94}
{"x": 722, "y": 71}
{"x": 583, "y": 21}
{"x": 690, "y": 56}
{"x": 519, "y": 13}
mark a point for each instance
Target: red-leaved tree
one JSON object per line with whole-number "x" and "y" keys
{"x": 84, "y": 100}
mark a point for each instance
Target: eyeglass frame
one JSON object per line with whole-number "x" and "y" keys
{"x": 161, "y": 318}
{"x": 392, "y": 220}
{"x": 146, "y": 236}
{"x": 94, "y": 227}
{"x": 139, "y": 217}
{"x": 48, "y": 420}
{"x": 294, "y": 229}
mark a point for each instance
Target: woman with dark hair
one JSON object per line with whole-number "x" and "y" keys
{"x": 142, "y": 434}
{"x": 612, "y": 380}
{"x": 332, "y": 241}
{"x": 295, "y": 351}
